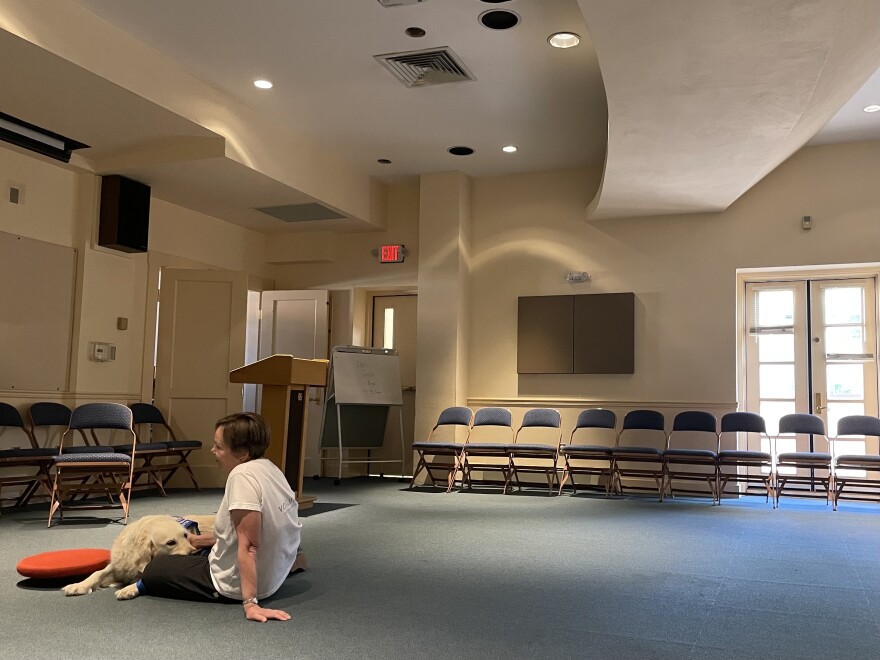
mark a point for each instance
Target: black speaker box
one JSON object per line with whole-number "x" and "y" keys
{"x": 124, "y": 223}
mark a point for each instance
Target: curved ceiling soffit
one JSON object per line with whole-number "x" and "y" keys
{"x": 705, "y": 99}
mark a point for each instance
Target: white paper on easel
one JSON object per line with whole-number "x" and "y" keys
{"x": 367, "y": 379}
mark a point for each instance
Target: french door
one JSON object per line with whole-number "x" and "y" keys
{"x": 811, "y": 347}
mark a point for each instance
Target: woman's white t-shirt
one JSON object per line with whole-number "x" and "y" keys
{"x": 256, "y": 485}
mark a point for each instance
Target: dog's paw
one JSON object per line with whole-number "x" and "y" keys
{"x": 77, "y": 589}
{"x": 127, "y": 593}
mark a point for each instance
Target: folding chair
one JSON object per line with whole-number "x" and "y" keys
{"x": 589, "y": 459}
{"x": 640, "y": 460}
{"x": 29, "y": 464}
{"x": 744, "y": 461}
{"x": 535, "y": 458}
{"x": 147, "y": 413}
{"x": 867, "y": 488}
{"x": 486, "y": 456}
{"x": 693, "y": 463}
{"x": 49, "y": 414}
{"x": 94, "y": 473}
{"x": 811, "y": 461}
{"x": 442, "y": 455}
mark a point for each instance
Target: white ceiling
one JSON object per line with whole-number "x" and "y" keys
{"x": 319, "y": 54}
{"x": 170, "y": 110}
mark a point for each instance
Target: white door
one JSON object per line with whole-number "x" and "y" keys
{"x": 811, "y": 348}
{"x": 394, "y": 326}
{"x": 201, "y": 338}
{"x": 297, "y": 323}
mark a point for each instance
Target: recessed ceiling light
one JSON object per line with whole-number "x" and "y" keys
{"x": 263, "y": 84}
{"x": 564, "y": 40}
{"x": 415, "y": 32}
{"x": 384, "y": 161}
{"x": 872, "y": 108}
{"x": 509, "y": 149}
{"x": 460, "y": 151}
{"x": 499, "y": 19}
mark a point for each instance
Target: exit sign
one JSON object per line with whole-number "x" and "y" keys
{"x": 391, "y": 254}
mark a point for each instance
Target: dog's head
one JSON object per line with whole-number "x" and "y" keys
{"x": 165, "y": 536}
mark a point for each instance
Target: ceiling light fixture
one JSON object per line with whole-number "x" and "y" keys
{"x": 460, "y": 151}
{"x": 872, "y": 108}
{"x": 509, "y": 149}
{"x": 564, "y": 40}
{"x": 263, "y": 84}
{"x": 384, "y": 161}
{"x": 415, "y": 32}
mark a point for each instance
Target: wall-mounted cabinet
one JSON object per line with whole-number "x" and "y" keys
{"x": 584, "y": 334}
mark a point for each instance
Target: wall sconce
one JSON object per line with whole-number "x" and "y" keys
{"x": 577, "y": 276}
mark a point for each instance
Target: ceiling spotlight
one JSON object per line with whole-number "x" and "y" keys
{"x": 564, "y": 40}
{"x": 384, "y": 161}
{"x": 415, "y": 32}
{"x": 872, "y": 108}
{"x": 509, "y": 149}
{"x": 262, "y": 84}
{"x": 460, "y": 151}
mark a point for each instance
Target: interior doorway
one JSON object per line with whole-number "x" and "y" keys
{"x": 810, "y": 346}
{"x": 394, "y": 326}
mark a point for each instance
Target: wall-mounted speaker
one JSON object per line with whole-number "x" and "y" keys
{"x": 124, "y": 222}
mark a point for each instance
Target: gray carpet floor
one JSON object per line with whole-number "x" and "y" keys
{"x": 423, "y": 574}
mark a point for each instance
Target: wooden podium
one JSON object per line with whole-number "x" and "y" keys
{"x": 285, "y": 380}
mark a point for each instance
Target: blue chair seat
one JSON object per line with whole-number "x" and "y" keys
{"x": 496, "y": 447}
{"x": 690, "y": 453}
{"x": 437, "y": 446}
{"x": 628, "y": 451}
{"x": 743, "y": 455}
{"x": 586, "y": 449}
{"x": 184, "y": 444}
{"x": 812, "y": 456}
{"x": 87, "y": 449}
{"x": 141, "y": 446}
{"x": 29, "y": 452}
{"x": 858, "y": 458}
{"x": 96, "y": 457}
{"x": 535, "y": 448}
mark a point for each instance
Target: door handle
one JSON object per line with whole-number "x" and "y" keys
{"x": 819, "y": 407}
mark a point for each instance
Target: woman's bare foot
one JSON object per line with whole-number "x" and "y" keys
{"x": 299, "y": 564}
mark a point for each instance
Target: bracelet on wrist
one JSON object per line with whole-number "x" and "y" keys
{"x": 249, "y": 601}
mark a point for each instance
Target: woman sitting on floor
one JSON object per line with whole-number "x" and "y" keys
{"x": 256, "y": 536}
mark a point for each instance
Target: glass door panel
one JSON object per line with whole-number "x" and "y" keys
{"x": 811, "y": 347}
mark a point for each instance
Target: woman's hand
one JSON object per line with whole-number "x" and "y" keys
{"x": 200, "y": 541}
{"x": 262, "y": 614}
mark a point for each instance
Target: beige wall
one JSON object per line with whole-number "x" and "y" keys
{"x": 60, "y": 206}
{"x": 528, "y": 230}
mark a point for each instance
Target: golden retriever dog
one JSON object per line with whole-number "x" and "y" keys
{"x": 133, "y": 549}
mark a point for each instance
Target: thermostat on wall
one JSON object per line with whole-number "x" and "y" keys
{"x": 101, "y": 351}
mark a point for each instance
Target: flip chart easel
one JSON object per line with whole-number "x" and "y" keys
{"x": 363, "y": 386}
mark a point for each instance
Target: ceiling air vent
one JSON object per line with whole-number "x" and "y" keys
{"x": 399, "y": 3}
{"x": 300, "y": 212}
{"x": 417, "y": 68}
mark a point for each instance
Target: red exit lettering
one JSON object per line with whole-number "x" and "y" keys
{"x": 390, "y": 254}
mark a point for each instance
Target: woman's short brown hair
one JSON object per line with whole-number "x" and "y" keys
{"x": 245, "y": 432}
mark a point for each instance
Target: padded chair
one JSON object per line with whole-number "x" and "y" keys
{"x": 176, "y": 450}
{"x": 535, "y": 458}
{"x": 741, "y": 463}
{"x": 436, "y": 455}
{"x": 812, "y": 461}
{"x": 27, "y": 463}
{"x": 640, "y": 460}
{"x": 50, "y": 414}
{"x": 866, "y": 486}
{"x": 690, "y": 463}
{"x": 486, "y": 456}
{"x": 592, "y": 459}
{"x": 94, "y": 473}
